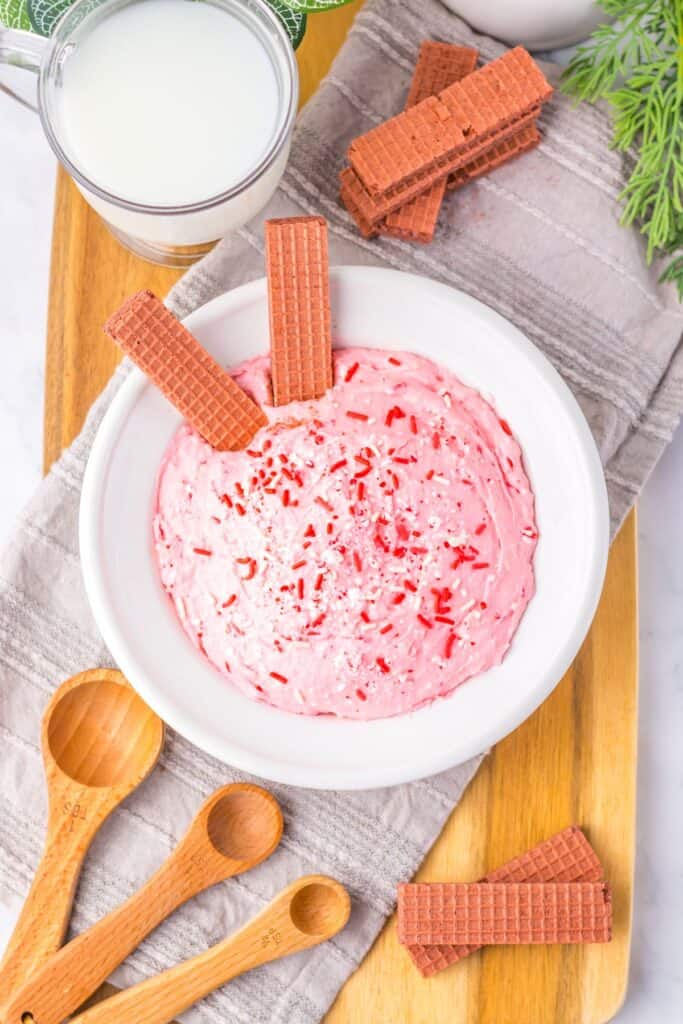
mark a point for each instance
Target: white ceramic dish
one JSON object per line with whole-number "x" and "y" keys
{"x": 377, "y": 308}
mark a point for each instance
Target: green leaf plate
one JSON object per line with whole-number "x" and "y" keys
{"x": 293, "y": 19}
{"x": 312, "y": 6}
{"x": 44, "y": 14}
{"x": 14, "y": 14}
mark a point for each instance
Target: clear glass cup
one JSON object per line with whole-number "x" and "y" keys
{"x": 176, "y": 235}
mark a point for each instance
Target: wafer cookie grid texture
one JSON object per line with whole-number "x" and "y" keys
{"x": 201, "y": 390}
{"x": 438, "y": 65}
{"x": 565, "y": 857}
{"x": 373, "y": 208}
{"x": 299, "y": 307}
{"x": 486, "y": 102}
{"x": 503, "y": 913}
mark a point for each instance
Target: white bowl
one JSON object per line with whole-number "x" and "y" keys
{"x": 380, "y": 309}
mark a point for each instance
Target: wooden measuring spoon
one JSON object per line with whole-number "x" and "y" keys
{"x": 235, "y": 829}
{"x": 306, "y": 913}
{"x": 99, "y": 741}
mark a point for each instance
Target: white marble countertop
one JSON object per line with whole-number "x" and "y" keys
{"x": 656, "y": 985}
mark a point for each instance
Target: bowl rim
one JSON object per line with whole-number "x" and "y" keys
{"x": 277, "y": 769}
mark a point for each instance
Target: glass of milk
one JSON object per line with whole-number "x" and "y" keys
{"x": 173, "y": 117}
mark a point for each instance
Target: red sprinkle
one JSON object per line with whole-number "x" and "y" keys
{"x": 395, "y": 413}
{"x": 280, "y": 678}
{"x": 251, "y": 571}
{"x": 202, "y": 551}
{"x": 364, "y": 616}
{"x": 318, "y": 581}
{"x": 429, "y": 475}
{"x": 450, "y": 641}
{"x": 338, "y": 465}
{"x": 285, "y": 498}
{"x": 355, "y": 415}
{"x": 383, "y": 666}
{"x": 239, "y": 489}
{"x": 226, "y": 500}
{"x": 282, "y": 457}
{"x": 425, "y": 622}
{"x": 318, "y": 621}
{"x": 300, "y": 588}
{"x": 399, "y": 599}
{"x": 357, "y": 561}
{"x": 480, "y": 529}
{"x": 360, "y": 493}
{"x": 299, "y": 565}
{"x": 506, "y": 427}
{"x": 394, "y": 361}
{"x": 360, "y": 695}
{"x": 413, "y": 424}
{"x": 329, "y": 528}
{"x": 483, "y": 605}
{"x": 325, "y": 504}
{"x": 401, "y": 460}
{"x": 480, "y": 565}
{"x": 444, "y": 618}
{"x": 366, "y": 467}
{"x": 241, "y": 510}
{"x": 231, "y": 600}
{"x": 436, "y": 440}
{"x": 309, "y": 531}
{"x": 254, "y": 454}
{"x": 385, "y": 629}
{"x": 350, "y": 373}
{"x": 410, "y": 586}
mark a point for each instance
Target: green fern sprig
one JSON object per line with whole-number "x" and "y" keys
{"x": 636, "y": 63}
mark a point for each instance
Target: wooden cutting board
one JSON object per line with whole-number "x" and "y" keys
{"x": 574, "y": 760}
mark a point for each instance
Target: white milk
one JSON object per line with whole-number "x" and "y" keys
{"x": 173, "y": 102}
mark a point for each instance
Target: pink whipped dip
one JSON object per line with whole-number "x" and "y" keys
{"x": 366, "y": 554}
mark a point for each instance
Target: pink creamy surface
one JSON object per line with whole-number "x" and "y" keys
{"x": 368, "y": 553}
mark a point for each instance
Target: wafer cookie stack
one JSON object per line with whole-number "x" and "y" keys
{"x": 554, "y": 892}
{"x": 458, "y": 123}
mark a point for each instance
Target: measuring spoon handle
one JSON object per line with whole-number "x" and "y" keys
{"x": 44, "y": 917}
{"x": 79, "y": 968}
{"x": 274, "y": 933}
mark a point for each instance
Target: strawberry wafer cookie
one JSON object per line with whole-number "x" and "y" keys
{"x": 374, "y": 208}
{"x": 522, "y": 142}
{"x": 565, "y": 857}
{"x": 504, "y": 913}
{"x": 443, "y": 131}
{"x": 176, "y": 363}
{"x": 299, "y": 303}
{"x": 438, "y": 66}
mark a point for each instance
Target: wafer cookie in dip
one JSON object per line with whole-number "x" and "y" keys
{"x": 299, "y": 306}
{"x": 201, "y": 390}
{"x": 368, "y": 552}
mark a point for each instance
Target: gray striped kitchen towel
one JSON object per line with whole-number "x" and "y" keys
{"x": 537, "y": 240}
